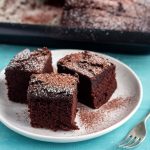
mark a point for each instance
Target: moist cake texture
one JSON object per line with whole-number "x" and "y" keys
{"x": 52, "y": 101}
{"x": 21, "y": 67}
{"x": 96, "y": 77}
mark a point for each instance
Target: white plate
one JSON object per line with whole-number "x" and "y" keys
{"x": 92, "y": 123}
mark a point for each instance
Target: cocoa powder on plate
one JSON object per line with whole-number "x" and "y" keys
{"x": 107, "y": 115}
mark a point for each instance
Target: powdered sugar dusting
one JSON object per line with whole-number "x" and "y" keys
{"x": 25, "y": 54}
{"x": 44, "y": 84}
{"x": 30, "y": 61}
{"x": 107, "y": 115}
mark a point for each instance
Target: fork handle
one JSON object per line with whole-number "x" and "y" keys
{"x": 147, "y": 117}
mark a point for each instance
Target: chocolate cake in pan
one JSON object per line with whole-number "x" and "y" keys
{"x": 95, "y": 21}
{"x": 93, "y": 18}
{"x": 121, "y": 15}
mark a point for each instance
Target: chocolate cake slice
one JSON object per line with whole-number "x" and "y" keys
{"x": 117, "y": 15}
{"x": 96, "y": 77}
{"x": 52, "y": 101}
{"x": 21, "y": 67}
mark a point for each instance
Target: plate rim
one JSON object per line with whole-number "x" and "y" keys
{"x": 80, "y": 137}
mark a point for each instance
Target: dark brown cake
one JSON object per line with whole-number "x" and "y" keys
{"x": 52, "y": 101}
{"x": 96, "y": 76}
{"x": 21, "y": 67}
{"x": 98, "y": 19}
{"x": 129, "y": 8}
{"x": 120, "y": 15}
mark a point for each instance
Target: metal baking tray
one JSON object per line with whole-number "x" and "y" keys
{"x": 63, "y": 37}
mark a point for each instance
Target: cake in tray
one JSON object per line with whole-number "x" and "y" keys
{"x": 96, "y": 76}
{"x": 129, "y": 15}
{"x": 120, "y": 15}
{"x": 52, "y": 101}
{"x": 21, "y": 67}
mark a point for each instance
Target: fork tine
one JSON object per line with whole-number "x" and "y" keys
{"x": 129, "y": 142}
{"x": 134, "y": 144}
{"x": 125, "y": 140}
{"x": 132, "y": 141}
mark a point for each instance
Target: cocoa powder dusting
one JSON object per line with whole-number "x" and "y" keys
{"x": 106, "y": 116}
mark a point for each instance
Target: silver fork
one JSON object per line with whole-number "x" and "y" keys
{"x": 136, "y": 136}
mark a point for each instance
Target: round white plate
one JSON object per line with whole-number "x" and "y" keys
{"x": 92, "y": 123}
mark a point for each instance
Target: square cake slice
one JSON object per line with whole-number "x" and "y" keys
{"x": 97, "y": 80}
{"x": 21, "y": 67}
{"x": 52, "y": 101}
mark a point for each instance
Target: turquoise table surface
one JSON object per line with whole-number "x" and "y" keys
{"x": 10, "y": 140}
